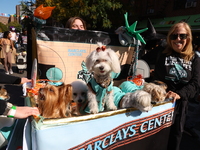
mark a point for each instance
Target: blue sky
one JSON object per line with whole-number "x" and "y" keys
{"x": 9, "y": 6}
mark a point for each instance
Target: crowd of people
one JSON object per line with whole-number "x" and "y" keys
{"x": 177, "y": 65}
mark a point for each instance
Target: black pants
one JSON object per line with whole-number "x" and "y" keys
{"x": 176, "y": 131}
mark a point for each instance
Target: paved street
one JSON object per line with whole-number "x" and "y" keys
{"x": 15, "y": 91}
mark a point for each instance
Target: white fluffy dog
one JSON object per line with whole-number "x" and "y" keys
{"x": 138, "y": 99}
{"x": 79, "y": 95}
{"x": 79, "y": 91}
{"x": 102, "y": 95}
{"x": 101, "y": 62}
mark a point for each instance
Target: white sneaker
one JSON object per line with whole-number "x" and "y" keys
{"x": 11, "y": 72}
{"x": 7, "y": 73}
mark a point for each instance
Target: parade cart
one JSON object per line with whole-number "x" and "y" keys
{"x": 66, "y": 50}
{"x": 121, "y": 129}
{"x": 60, "y": 54}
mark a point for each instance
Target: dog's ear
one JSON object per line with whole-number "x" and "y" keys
{"x": 115, "y": 63}
{"x": 68, "y": 91}
{"x": 90, "y": 61}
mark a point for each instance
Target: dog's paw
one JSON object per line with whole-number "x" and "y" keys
{"x": 112, "y": 107}
{"x": 94, "y": 111}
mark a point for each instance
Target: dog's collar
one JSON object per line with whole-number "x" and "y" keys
{"x": 104, "y": 83}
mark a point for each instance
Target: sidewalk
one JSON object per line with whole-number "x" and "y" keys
{"x": 15, "y": 91}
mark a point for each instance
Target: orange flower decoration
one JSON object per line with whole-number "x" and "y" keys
{"x": 43, "y": 12}
{"x": 138, "y": 80}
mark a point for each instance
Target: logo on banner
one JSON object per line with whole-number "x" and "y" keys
{"x": 129, "y": 132}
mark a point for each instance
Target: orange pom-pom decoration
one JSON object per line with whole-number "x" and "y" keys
{"x": 138, "y": 80}
{"x": 43, "y": 12}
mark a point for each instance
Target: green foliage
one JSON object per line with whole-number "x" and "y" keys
{"x": 3, "y": 27}
{"x": 17, "y": 26}
{"x": 97, "y": 13}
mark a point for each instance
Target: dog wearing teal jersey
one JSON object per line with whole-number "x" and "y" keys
{"x": 102, "y": 95}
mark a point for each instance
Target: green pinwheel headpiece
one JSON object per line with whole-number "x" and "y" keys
{"x": 131, "y": 29}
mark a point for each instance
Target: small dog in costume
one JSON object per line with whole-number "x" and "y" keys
{"x": 80, "y": 90}
{"x": 102, "y": 95}
{"x": 4, "y": 94}
{"x": 135, "y": 97}
{"x": 101, "y": 62}
{"x": 157, "y": 90}
{"x": 55, "y": 101}
{"x": 138, "y": 99}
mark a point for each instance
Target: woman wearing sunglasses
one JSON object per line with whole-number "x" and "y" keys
{"x": 178, "y": 66}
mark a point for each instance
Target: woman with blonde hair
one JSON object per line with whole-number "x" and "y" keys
{"x": 187, "y": 51}
{"x": 178, "y": 66}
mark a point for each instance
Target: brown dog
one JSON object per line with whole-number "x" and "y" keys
{"x": 55, "y": 101}
{"x": 4, "y": 94}
{"x": 157, "y": 90}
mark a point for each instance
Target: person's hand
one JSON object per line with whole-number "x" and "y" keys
{"x": 173, "y": 95}
{"x": 25, "y": 80}
{"x": 152, "y": 72}
{"x": 25, "y": 111}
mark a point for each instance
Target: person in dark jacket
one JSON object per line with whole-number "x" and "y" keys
{"x": 6, "y": 79}
{"x": 22, "y": 40}
{"x": 9, "y": 109}
{"x": 178, "y": 66}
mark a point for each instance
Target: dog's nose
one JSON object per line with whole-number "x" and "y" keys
{"x": 101, "y": 68}
{"x": 41, "y": 89}
{"x": 80, "y": 100}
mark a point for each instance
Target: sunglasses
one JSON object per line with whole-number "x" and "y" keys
{"x": 175, "y": 36}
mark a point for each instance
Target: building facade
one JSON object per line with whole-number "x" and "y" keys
{"x": 5, "y": 19}
{"x": 164, "y": 13}
{"x": 166, "y": 8}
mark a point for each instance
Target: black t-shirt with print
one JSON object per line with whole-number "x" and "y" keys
{"x": 182, "y": 77}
